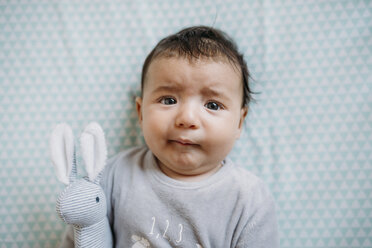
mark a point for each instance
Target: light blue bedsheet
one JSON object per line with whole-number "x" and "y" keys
{"x": 308, "y": 135}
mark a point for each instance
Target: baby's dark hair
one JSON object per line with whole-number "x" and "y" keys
{"x": 197, "y": 42}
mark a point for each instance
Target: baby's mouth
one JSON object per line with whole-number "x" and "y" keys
{"x": 183, "y": 142}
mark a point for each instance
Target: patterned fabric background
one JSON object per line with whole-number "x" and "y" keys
{"x": 308, "y": 135}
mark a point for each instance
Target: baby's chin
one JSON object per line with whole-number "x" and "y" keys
{"x": 188, "y": 173}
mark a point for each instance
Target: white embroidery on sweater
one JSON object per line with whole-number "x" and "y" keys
{"x": 140, "y": 242}
{"x": 166, "y": 229}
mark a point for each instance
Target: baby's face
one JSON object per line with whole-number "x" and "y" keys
{"x": 191, "y": 114}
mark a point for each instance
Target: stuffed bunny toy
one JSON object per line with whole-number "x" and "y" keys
{"x": 82, "y": 204}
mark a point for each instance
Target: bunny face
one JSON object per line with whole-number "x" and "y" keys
{"x": 82, "y": 203}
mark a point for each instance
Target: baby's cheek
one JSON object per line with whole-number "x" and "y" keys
{"x": 222, "y": 142}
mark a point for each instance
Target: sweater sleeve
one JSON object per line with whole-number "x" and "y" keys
{"x": 260, "y": 230}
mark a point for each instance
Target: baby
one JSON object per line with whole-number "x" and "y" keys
{"x": 181, "y": 190}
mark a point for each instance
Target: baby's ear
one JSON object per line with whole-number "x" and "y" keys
{"x": 139, "y": 109}
{"x": 243, "y": 114}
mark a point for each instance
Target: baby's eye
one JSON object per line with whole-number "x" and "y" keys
{"x": 168, "y": 100}
{"x": 212, "y": 106}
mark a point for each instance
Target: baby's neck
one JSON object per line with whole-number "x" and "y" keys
{"x": 185, "y": 177}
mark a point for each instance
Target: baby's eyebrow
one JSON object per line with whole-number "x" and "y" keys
{"x": 212, "y": 92}
{"x": 168, "y": 88}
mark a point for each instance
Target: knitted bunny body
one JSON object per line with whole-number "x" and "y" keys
{"x": 82, "y": 203}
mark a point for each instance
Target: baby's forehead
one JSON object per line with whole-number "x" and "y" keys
{"x": 171, "y": 71}
{"x": 196, "y": 61}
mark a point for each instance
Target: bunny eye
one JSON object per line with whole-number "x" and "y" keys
{"x": 97, "y": 199}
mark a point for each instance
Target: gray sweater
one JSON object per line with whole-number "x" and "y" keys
{"x": 232, "y": 208}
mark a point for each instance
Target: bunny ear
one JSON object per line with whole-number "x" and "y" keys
{"x": 93, "y": 149}
{"x": 62, "y": 151}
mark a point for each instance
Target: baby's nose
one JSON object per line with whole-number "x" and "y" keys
{"x": 187, "y": 117}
